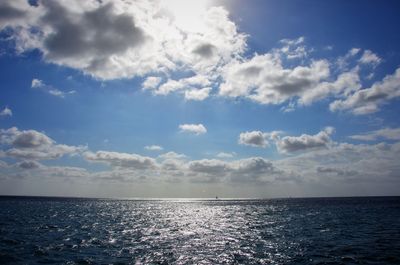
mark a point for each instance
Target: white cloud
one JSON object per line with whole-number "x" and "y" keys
{"x": 304, "y": 142}
{"x": 264, "y": 79}
{"x": 226, "y": 155}
{"x": 37, "y": 83}
{"x": 168, "y": 87}
{"x": 254, "y": 138}
{"x": 31, "y": 139}
{"x": 192, "y": 87}
{"x": 254, "y": 169}
{"x": 345, "y": 83}
{"x": 369, "y": 57}
{"x": 197, "y": 94}
{"x": 34, "y": 145}
{"x": 325, "y": 162}
{"x": 209, "y": 166}
{"x": 153, "y": 147}
{"x": 385, "y": 133}
{"x": 122, "y": 160}
{"x": 294, "y": 48}
{"x": 193, "y": 128}
{"x": 346, "y": 162}
{"x": 344, "y": 61}
{"x": 288, "y": 144}
{"x": 151, "y": 82}
{"x": 369, "y": 100}
{"x": 172, "y": 155}
{"x": 132, "y": 38}
{"x": 40, "y": 84}
{"x": 59, "y": 93}
{"x": 6, "y": 112}
{"x": 149, "y": 39}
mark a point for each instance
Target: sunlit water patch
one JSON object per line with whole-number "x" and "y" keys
{"x": 284, "y": 231}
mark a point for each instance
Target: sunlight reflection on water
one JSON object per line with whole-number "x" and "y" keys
{"x": 313, "y": 231}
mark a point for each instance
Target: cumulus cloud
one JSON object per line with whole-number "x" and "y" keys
{"x": 264, "y": 79}
{"x": 31, "y": 139}
{"x": 29, "y": 164}
{"x": 345, "y": 83}
{"x": 14, "y": 13}
{"x": 370, "y": 99}
{"x": 153, "y": 147}
{"x": 197, "y": 94}
{"x": 119, "y": 39}
{"x": 169, "y": 86}
{"x": 151, "y": 82}
{"x": 6, "y": 112}
{"x": 209, "y": 166}
{"x": 345, "y": 162}
{"x": 121, "y": 160}
{"x": 385, "y": 133}
{"x": 324, "y": 161}
{"x": 172, "y": 155}
{"x": 254, "y": 169}
{"x": 34, "y": 145}
{"x": 254, "y": 138}
{"x": 193, "y": 128}
{"x": 290, "y": 144}
{"x": 37, "y": 83}
{"x": 192, "y": 87}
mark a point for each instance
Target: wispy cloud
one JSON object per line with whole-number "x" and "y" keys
{"x": 6, "y": 112}
{"x": 40, "y": 84}
{"x": 385, "y": 133}
{"x": 153, "y": 148}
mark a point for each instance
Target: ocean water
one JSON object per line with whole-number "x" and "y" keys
{"x": 278, "y": 231}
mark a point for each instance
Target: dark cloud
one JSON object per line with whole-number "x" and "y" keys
{"x": 254, "y": 138}
{"x": 94, "y": 35}
{"x": 209, "y": 166}
{"x": 9, "y": 12}
{"x": 122, "y": 160}
{"x": 369, "y": 100}
{"x": 31, "y": 139}
{"x": 290, "y": 144}
{"x": 29, "y": 165}
{"x": 33, "y": 145}
{"x": 205, "y": 50}
{"x": 337, "y": 171}
{"x": 254, "y": 169}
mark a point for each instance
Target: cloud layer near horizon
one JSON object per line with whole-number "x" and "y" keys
{"x": 314, "y": 158}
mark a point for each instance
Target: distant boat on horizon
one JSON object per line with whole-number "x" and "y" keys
{"x": 216, "y": 197}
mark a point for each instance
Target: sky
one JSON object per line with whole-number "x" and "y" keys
{"x": 205, "y": 98}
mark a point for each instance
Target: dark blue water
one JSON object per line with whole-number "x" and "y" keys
{"x": 284, "y": 231}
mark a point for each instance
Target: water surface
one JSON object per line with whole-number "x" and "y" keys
{"x": 281, "y": 231}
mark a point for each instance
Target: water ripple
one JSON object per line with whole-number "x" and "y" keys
{"x": 293, "y": 231}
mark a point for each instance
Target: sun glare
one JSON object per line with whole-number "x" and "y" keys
{"x": 187, "y": 13}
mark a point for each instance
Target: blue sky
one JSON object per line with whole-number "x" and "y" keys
{"x": 179, "y": 99}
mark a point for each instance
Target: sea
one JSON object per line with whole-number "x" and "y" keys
{"x": 44, "y": 230}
